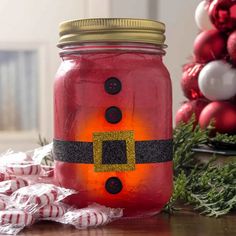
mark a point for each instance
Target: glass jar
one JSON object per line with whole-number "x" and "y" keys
{"x": 113, "y": 115}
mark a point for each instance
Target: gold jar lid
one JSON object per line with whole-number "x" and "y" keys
{"x": 111, "y": 30}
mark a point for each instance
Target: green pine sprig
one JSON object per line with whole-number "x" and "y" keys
{"x": 225, "y": 138}
{"x": 209, "y": 187}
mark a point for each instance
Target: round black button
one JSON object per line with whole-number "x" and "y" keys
{"x": 113, "y": 115}
{"x": 113, "y": 185}
{"x": 112, "y": 85}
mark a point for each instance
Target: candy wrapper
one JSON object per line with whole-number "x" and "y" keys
{"x": 4, "y": 202}
{"x": 51, "y": 211}
{"x": 18, "y": 170}
{"x": 13, "y": 221}
{"x": 32, "y": 198}
{"x": 93, "y": 216}
{"x": 27, "y": 165}
{"x": 30, "y": 204}
{"x": 28, "y": 195}
{"x": 9, "y": 186}
{"x": 47, "y": 171}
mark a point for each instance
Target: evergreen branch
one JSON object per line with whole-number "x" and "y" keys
{"x": 225, "y": 138}
{"x": 209, "y": 188}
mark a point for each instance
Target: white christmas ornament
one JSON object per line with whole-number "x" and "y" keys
{"x": 201, "y": 16}
{"x": 217, "y": 81}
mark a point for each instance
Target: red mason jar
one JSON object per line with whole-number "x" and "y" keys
{"x": 113, "y": 115}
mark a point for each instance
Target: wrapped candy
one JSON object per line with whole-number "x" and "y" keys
{"x": 27, "y": 165}
{"x": 13, "y": 221}
{"x": 15, "y": 217}
{"x": 2, "y": 204}
{"x": 28, "y": 195}
{"x": 24, "y": 168}
{"x": 33, "y": 197}
{"x": 9, "y": 186}
{"x": 93, "y": 216}
{"x": 6, "y": 176}
{"x": 20, "y": 158}
{"x": 39, "y": 154}
{"x": 51, "y": 211}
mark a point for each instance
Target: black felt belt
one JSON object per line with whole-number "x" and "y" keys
{"x": 152, "y": 151}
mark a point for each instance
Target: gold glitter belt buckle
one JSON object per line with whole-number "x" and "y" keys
{"x": 98, "y": 140}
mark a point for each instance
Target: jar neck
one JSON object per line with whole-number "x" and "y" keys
{"x": 112, "y": 47}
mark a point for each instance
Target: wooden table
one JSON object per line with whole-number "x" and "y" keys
{"x": 187, "y": 224}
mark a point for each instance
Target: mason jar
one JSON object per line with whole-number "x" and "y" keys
{"x": 113, "y": 115}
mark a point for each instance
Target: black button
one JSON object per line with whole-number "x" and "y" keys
{"x": 112, "y": 85}
{"x": 113, "y": 185}
{"x": 113, "y": 115}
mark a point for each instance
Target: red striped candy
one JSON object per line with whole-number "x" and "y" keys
{"x": 31, "y": 198}
{"x": 16, "y": 218}
{"x": 34, "y": 198}
{"x": 5, "y": 176}
{"x": 25, "y": 168}
{"x": 10, "y": 186}
{"x": 87, "y": 218}
{"x": 51, "y": 211}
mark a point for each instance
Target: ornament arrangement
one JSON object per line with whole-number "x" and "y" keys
{"x": 28, "y": 194}
{"x": 209, "y": 80}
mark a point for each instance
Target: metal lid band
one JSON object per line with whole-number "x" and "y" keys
{"x": 111, "y": 30}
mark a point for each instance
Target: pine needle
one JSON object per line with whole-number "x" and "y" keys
{"x": 209, "y": 188}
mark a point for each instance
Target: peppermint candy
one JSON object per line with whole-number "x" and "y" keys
{"x": 35, "y": 198}
{"x": 5, "y": 176}
{"x": 51, "y": 211}
{"x": 9, "y": 186}
{"x": 16, "y": 218}
{"x": 82, "y": 218}
{"x": 24, "y": 168}
{"x": 31, "y": 198}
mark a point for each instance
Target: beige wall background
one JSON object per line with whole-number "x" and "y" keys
{"x": 181, "y": 30}
{"x": 27, "y": 23}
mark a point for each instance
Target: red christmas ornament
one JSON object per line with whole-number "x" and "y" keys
{"x": 223, "y": 14}
{"x": 231, "y": 47}
{"x": 189, "y": 81}
{"x": 223, "y": 116}
{"x": 209, "y": 45}
{"x": 184, "y": 114}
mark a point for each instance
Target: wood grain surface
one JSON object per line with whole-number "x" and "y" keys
{"x": 187, "y": 224}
